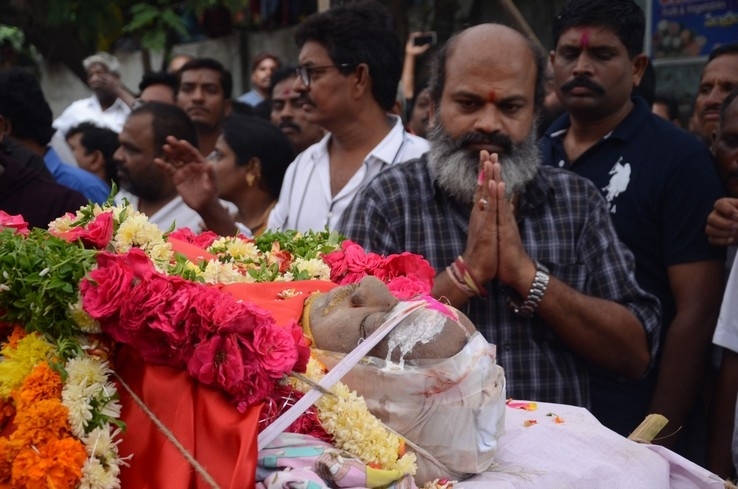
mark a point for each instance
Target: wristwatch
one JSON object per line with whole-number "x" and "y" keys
{"x": 535, "y": 294}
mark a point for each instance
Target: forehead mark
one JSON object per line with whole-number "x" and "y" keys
{"x": 286, "y": 91}
{"x": 584, "y": 38}
{"x": 492, "y": 96}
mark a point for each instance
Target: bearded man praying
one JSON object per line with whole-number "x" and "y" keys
{"x": 528, "y": 253}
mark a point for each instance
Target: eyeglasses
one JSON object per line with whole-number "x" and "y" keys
{"x": 306, "y": 71}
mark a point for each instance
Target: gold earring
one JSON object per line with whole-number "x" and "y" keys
{"x": 250, "y": 179}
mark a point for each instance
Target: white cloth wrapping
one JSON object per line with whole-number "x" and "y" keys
{"x": 453, "y": 408}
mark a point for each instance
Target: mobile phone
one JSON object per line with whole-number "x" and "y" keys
{"x": 425, "y": 38}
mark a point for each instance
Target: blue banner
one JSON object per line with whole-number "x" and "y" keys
{"x": 690, "y": 28}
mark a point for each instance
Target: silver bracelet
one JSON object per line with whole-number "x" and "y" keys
{"x": 535, "y": 294}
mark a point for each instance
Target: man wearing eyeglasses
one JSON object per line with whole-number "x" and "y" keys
{"x": 350, "y": 64}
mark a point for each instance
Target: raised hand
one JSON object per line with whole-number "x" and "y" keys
{"x": 482, "y": 242}
{"x": 192, "y": 175}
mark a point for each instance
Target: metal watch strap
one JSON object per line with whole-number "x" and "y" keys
{"x": 535, "y": 294}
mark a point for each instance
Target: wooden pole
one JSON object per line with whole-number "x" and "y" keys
{"x": 512, "y": 10}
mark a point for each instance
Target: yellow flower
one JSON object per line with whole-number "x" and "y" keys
{"x": 19, "y": 361}
{"x": 137, "y": 231}
{"x": 85, "y": 322}
{"x": 316, "y": 267}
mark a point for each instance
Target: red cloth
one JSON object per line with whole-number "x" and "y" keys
{"x": 219, "y": 437}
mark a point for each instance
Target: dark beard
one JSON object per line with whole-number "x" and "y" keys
{"x": 455, "y": 169}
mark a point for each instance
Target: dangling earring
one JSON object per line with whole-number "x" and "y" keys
{"x": 250, "y": 179}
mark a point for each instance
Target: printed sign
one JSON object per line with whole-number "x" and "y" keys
{"x": 691, "y": 28}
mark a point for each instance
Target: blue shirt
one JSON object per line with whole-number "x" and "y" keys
{"x": 76, "y": 178}
{"x": 252, "y": 98}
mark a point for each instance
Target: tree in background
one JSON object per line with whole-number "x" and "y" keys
{"x": 66, "y": 31}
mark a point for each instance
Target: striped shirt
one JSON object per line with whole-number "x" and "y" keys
{"x": 564, "y": 224}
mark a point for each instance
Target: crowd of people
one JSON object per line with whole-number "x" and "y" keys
{"x": 593, "y": 251}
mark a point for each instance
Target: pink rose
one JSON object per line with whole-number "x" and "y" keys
{"x": 106, "y": 288}
{"x": 145, "y": 300}
{"x": 274, "y": 346}
{"x": 406, "y": 288}
{"x": 14, "y": 222}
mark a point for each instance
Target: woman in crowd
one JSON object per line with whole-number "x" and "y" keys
{"x": 250, "y": 158}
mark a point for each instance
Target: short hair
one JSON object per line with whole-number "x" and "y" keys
{"x": 109, "y": 61}
{"x": 624, "y": 17}
{"x": 226, "y": 79}
{"x": 281, "y": 74}
{"x": 97, "y": 138}
{"x": 356, "y": 33}
{"x": 159, "y": 78}
{"x": 725, "y": 104}
{"x": 23, "y": 102}
{"x": 723, "y": 49}
{"x": 437, "y": 79}
{"x": 261, "y": 57}
{"x": 670, "y": 102}
{"x": 168, "y": 120}
{"x": 250, "y": 136}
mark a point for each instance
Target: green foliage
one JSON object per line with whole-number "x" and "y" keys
{"x": 306, "y": 245}
{"x": 39, "y": 275}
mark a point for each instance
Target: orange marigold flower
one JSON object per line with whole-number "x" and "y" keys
{"x": 8, "y": 451}
{"x": 41, "y": 421}
{"x": 57, "y": 465}
{"x": 18, "y": 334}
{"x": 42, "y": 383}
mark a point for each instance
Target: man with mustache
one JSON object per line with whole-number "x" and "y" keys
{"x": 154, "y": 177}
{"x": 287, "y": 112}
{"x": 205, "y": 88}
{"x": 349, "y": 68}
{"x": 526, "y": 252}
{"x": 719, "y": 77}
{"x": 659, "y": 184}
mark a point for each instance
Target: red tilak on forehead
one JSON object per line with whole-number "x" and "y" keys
{"x": 286, "y": 92}
{"x": 584, "y": 38}
{"x": 492, "y": 97}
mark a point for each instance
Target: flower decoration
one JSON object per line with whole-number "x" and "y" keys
{"x": 107, "y": 272}
{"x": 407, "y": 275}
{"x": 61, "y": 412}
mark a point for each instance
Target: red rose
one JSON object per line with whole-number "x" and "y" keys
{"x": 254, "y": 388}
{"x": 406, "y": 264}
{"x": 202, "y": 240}
{"x": 99, "y": 231}
{"x": 217, "y": 361}
{"x": 14, "y": 222}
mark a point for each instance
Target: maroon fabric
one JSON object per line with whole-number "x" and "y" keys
{"x": 39, "y": 200}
